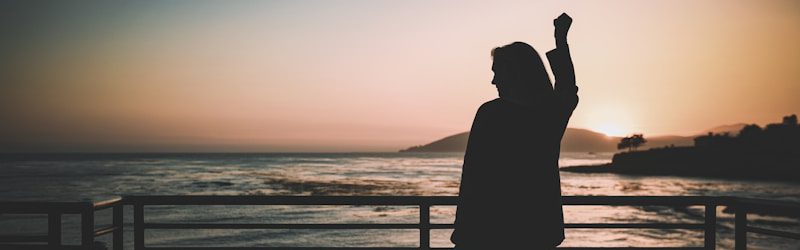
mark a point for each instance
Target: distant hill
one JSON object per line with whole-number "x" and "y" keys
{"x": 453, "y": 143}
{"x": 575, "y": 140}
{"x": 584, "y": 140}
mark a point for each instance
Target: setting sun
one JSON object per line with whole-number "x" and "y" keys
{"x": 612, "y": 119}
{"x": 610, "y": 129}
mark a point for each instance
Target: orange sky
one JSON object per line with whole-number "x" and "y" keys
{"x": 372, "y": 75}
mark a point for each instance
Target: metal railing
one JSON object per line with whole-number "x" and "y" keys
{"x": 744, "y": 206}
{"x": 741, "y": 206}
{"x": 54, "y": 212}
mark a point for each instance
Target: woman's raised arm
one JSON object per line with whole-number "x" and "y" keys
{"x": 560, "y": 58}
{"x": 565, "y": 90}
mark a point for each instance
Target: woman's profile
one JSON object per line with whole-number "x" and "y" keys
{"x": 510, "y": 194}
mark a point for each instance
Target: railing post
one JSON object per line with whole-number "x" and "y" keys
{"x": 741, "y": 227}
{"x": 710, "y": 238}
{"x": 87, "y": 226}
{"x": 54, "y": 229}
{"x": 138, "y": 225}
{"x": 424, "y": 225}
{"x": 118, "y": 224}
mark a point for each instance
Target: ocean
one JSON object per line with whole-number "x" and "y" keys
{"x": 73, "y": 177}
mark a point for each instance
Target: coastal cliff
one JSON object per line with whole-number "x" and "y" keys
{"x": 771, "y": 153}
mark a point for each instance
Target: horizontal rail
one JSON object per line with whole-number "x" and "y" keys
{"x": 639, "y": 200}
{"x": 632, "y": 248}
{"x": 270, "y": 248}
{"x": 636, "y": 225}
{"x": 106, "y": 230}
{"x": 772, "y": 232}
{"x": 63, "y": 207}
{"x": 409, "y": 248}
{"x": 23, "y": 238}
{"x": 39, "y": 247}
{"x": 107, "y": 203}
{"x": 277, "y": 226}
{"x": 401, "y": 226}
{"x": 292, "y": 200}
{"x": 403, "y": 200}
{"x": 42, "y": 207}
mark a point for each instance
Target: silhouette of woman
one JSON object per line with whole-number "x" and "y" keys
{"x": 510, "y": 194}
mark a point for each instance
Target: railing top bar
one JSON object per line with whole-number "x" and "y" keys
{"x": 409, "y": 248}
{"x": 290, "y": 200}
{"x": 765, "y": 202}
{"x": 399, "y": 200}
{"x": 107, "y": 203}
{"x": 749, "y": 204}
{"x": 640, "y": 200}
{"x": 37, "y": 207}
{"x": 68, "y": 207}
{"x": 775, "y": 207}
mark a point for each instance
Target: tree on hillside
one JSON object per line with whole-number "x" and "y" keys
{"x": 631, "y": 142}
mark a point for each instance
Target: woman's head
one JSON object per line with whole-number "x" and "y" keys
{"x": 519, "y": 71}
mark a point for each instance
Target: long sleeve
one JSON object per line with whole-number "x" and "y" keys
{"x": 565, "y": 90}
{"x": 561, "y": 64}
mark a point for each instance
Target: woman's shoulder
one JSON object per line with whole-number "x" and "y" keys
{"x": 487, "y": 111}
{"x": 490, "y": 105}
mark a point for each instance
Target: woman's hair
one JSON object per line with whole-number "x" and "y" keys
{"x": 517, "y": 66}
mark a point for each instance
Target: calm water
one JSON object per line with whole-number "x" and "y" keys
{"x": 78, "y": 177}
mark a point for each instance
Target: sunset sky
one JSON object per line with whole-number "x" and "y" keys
{"x": 372, "y": 75}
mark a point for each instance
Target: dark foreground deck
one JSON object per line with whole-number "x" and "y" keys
{"x": 55, "y": 210}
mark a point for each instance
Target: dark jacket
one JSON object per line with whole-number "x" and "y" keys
{"x": 510, "y": 194}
